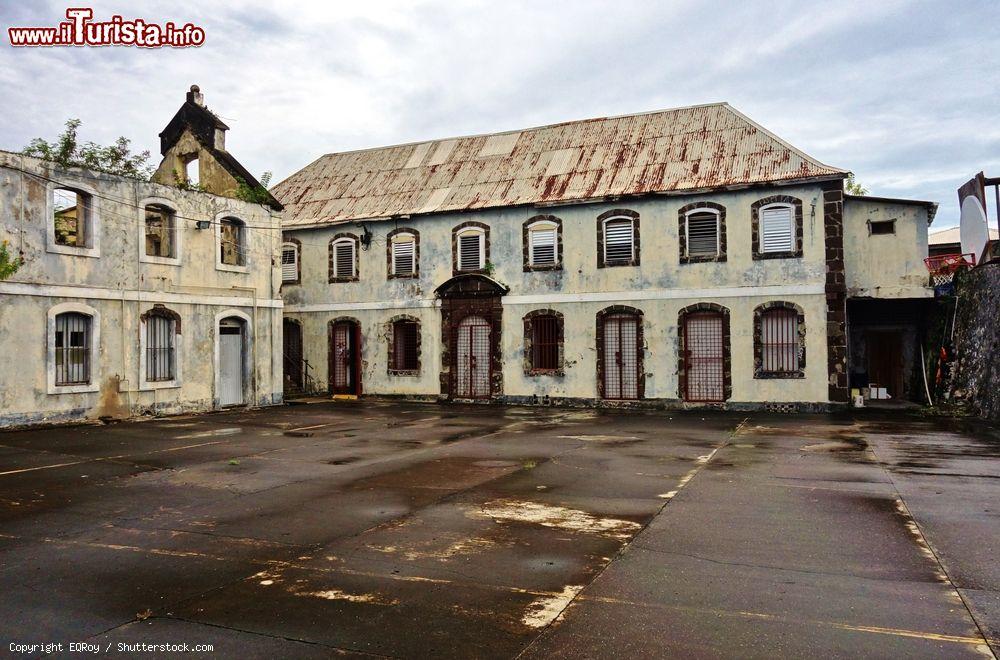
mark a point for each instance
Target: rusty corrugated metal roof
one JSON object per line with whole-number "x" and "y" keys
{"x": 685, "y": 149}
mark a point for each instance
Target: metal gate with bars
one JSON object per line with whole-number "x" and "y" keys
{"x": 471, "y": 377}
{"x": 344, "y": 358}
{"x": 621, "y": 356}
{"x": 704, "y": 357}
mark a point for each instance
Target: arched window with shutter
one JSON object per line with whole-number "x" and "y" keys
{"x": 344, "y": 258}
{"x": 618, "y": 238}
{"x": 542, "y": 243}
{"x": 470, "y": 247}
{"x": 291, "y": 256}
{"x": 403, "y": 253}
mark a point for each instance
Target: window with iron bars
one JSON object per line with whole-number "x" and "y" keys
{"x": 72, "y": 349}
{"x": 779, "y": 338}
{"x": 405, "y": 346}
{"x": 160, "y": 349}
{"x": 545, "y": 333}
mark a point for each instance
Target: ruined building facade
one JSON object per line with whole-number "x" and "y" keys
{"x": 683, "y": 257}
{"x": 134, "y": 296}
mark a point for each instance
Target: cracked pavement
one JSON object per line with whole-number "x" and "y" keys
{"x": 422, "y": 530}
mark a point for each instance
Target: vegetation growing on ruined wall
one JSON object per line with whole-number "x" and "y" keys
{"x": 252, "y": 194}
{"x": 8, "y": 264}
{"x": 68, "y": 151}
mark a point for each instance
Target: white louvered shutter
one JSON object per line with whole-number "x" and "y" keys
{"x": 703, "y": 235}
{"x": 543, "y": 246}
{"x": 344, "y": 259}
{"x": 289, "y": 263}
{"x": 403, "y": 256}
{"x": 470, "y": 255}
{"x": 776, "y": 233}
{"x": 618, "y": 240}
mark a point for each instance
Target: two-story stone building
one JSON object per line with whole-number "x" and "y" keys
{"x": 687, "y": 255}
{"x": 137, "y": 296}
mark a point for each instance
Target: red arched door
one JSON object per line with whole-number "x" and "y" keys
{"x": 345, "y": 358}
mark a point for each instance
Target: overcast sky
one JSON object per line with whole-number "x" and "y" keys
{"x": 904, "y": 93}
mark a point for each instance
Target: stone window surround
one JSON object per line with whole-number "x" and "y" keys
{"x": 92, "y": 232}
{"x": 755, "y": 209}
{"x": 391, "y": 340}
{"x": 758, "y": 346}
{"x": 416, "y": 253}
{"x": 175, "y": 231}
{"x": 291, "y": 240}
{"x": 609, "y": 215}
{"x": 727, "y": 357}
{"x": 95, "y": 347}
{"x": 163, "y": 312}
{"x": 458, "y": 229}
{"x": 640, "y": 345}
{"x": 337, "y": 238}
{"x": 682, "y": 216}
{"x": 529, "y": 368}
{"x": 526, "y": 242}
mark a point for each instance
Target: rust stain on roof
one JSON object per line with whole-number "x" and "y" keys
{"x": 693, "y": 148}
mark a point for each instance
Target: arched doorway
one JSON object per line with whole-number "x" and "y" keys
{"x": 471, "y": 315}
{"x": 233, "y": 377}
{"x": 619, "y": 337}
{"x": 345, "y": 357}
{"x": 292, "y": 350}
{"x": 704, "y": 353}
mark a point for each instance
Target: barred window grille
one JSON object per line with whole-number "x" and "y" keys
{"x": 289, "y": 262}
{"x": 703, "y": 234}
{"x": 470, "y": 251}
{"x": 777, "y": 232}
{"x": 542, "y": 245}
{"x": 545, "y": 343}
{"x": 404, "y": 345}
{"x": 343, "y": 258}
{"x": 779, "y": 337}
{"x": 159, "y": 231}
{"x": 619, "y": 243}
{"x": 160, "y": 349}
{"x": 72, "y": 349}
{"x": 403, "y": 252}
{"x": 232, "y": 242}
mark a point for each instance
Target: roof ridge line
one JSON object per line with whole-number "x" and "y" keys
{"x": 524, "y": 130}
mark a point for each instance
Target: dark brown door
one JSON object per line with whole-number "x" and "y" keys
{"x": 472, "y": 359}
{"x": 345, "y": 358}
{"x": 704, "y": 357}
{"x": 621, "y": 356}
{"x": 293, "y": 354}
{"x": 885, "y": 361}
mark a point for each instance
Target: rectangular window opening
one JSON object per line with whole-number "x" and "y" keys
{"x": 545, "y": 343}
{"x": 405, "y": 339}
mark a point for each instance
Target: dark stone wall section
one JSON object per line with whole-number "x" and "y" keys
{"x": 836, "y": 291}
{"x": 976, "y": 371}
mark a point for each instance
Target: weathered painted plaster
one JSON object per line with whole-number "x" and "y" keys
{"x": 120, "y": 287}
{"x": 885, "y": 265}
{"x": 660, "y": 287}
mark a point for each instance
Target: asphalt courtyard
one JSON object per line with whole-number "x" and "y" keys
{"x": 412, "y": 530}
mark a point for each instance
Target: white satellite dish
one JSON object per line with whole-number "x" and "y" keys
{"x": 972, "y": 229}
